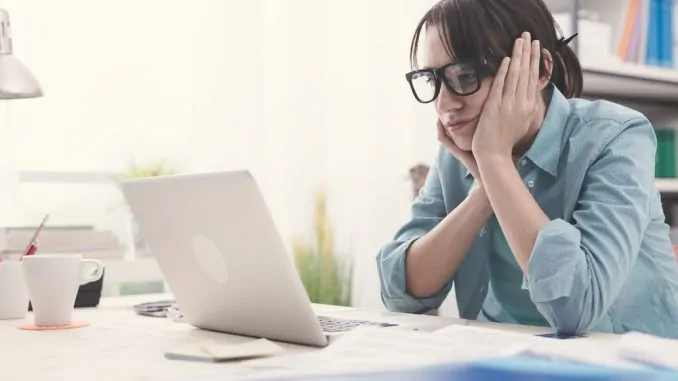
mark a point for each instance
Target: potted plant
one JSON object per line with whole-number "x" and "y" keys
{"x": 326, "y": 276}
{"x": 137, "y": 171}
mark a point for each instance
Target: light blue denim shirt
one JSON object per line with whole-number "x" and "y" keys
{"x": 506, "y": 300}
{"x": 604, "y": 262}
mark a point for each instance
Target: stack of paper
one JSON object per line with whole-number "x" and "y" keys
{"x": 394, "y": 347}
{"x": 650, "y": 350}
{"x": 457, "y": 349}
{"x": 572, "y": 350}
{"x": 373, "y": 349}
{"x": 582, "y": 351}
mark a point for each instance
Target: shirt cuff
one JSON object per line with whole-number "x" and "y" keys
{"x": 399, "y": 299}
{"x": 555, "y": 259}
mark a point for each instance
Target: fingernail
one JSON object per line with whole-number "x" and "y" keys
{"x": 535, "y": 43}
{"x": 526, "y": 35}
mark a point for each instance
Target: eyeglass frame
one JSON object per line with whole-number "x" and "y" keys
{"x": 438, "y": 75}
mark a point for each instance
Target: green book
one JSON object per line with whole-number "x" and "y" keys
{"x": 665, "y": 164}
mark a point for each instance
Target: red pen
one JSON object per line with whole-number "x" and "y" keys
{"x": 32, "y": 246}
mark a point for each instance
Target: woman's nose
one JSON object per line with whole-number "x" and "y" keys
{"x": 447, "y": 100}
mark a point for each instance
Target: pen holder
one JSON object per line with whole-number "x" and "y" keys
{"x": 13, "y": 291}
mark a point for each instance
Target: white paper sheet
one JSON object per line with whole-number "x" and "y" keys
{"x": 367, "y": 348}
{"x": 651, "y": 350}
{"x": 393, "y": 346}
{"x": 583, "y": 351}
{"x": 488, "y": 337}
{"x": 579, "y": 350}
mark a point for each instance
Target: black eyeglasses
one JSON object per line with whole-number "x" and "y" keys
{"x": 460, "y": 78}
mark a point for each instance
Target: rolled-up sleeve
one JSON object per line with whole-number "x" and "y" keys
{"x": 578, "y": 267}
{"x": 428, "y": 210}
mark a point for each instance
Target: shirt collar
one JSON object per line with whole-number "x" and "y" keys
{"x": 545, "y": 150}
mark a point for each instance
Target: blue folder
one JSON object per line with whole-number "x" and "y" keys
{"x": 519, "y": 368}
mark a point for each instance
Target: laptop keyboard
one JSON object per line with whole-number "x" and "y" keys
{"x": 331, "y": 324}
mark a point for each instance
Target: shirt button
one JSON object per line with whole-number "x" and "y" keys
{"x": 530, "y": 184}
{"x": 523, "y": 162}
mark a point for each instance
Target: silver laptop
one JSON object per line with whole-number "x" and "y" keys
{"x": 223, "y": 258}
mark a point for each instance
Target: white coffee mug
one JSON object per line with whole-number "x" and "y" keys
{"x": 13, "y": 291}
{"x": 53, "y": 281}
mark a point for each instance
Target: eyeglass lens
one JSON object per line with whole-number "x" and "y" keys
{"x": 461, "y": 79}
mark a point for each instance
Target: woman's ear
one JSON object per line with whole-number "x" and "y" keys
{"x": 548, "y": 65}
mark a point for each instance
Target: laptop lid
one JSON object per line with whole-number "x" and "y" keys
{"x": 222, "y": 256}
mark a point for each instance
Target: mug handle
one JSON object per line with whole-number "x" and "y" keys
{"x": 86, "y": 275}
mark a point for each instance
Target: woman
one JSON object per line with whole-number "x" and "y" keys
{"x": 540, "y": 207}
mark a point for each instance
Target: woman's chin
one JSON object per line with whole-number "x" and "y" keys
{"x": 464, "y": 144}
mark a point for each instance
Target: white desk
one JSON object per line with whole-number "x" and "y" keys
{"x": 118, "y": 344}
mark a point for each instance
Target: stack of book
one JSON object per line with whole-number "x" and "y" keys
{"x": 647, "y": 33}
{"x": 85, "y": 240}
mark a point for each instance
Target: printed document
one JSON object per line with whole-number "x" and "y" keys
{"x": 369, "y": 348}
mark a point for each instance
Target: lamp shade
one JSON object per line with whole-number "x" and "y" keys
{"x": 16, "y": 81}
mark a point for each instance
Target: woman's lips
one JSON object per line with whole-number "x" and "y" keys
{"x": 452, "y": 128}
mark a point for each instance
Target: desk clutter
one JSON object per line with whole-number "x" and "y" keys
{"x": 456, "y": 352}
{"x": 161, "y": 308}
{"x": 366, "y": 349}
{"x": 160, "y": 349}
{"x": 16, "y": 242}
{"x": 501, "y": 369}
{"x": 450, "y": 353}
{"x": 47, "y": 284}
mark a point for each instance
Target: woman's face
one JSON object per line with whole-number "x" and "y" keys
{"x": 459, "y": 114}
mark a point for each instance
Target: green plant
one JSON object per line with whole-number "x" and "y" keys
{"x": 135, "y": 171}
{"x": 326, "y": 277}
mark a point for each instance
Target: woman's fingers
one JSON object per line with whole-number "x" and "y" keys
{"x": 497, "y": 89}
{"x": 513, "y": 75}
{"x": 466, "y": 158}
{"x": 524, "y": 77}
{"x": 533, "y": 86}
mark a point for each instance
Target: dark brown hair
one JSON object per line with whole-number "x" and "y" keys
{"x": 487, "y": 29}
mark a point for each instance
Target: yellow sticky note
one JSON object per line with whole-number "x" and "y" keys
{"x": 212, "y": 351}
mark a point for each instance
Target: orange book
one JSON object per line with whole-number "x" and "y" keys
{"x": 628, "y": 29}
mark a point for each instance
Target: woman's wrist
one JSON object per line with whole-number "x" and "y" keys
{"x": 478, "y": 197}
{"x": 494, "y": 158}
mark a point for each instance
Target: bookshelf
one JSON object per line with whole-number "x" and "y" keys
{"x": 667, "y": 186}
{"x": 652, "y": 90}
{"x": 610, "y": 76}
{"x": 630, "y": 81}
